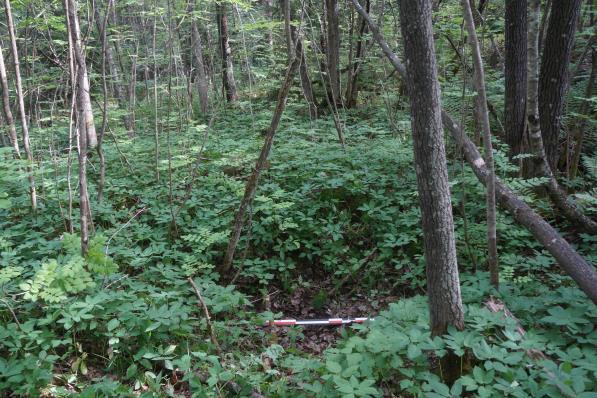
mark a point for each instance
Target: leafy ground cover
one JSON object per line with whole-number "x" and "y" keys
{"x": 333, "y": 232}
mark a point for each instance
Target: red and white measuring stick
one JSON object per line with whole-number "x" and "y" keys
{"x": 311, "y": 322}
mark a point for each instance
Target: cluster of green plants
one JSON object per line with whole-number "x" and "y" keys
{"x": 124, "y": 320}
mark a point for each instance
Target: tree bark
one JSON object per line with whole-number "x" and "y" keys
{"x": 84, "y": 124}
{"x": 569, "y": 260}
{"x": 352, "y": 88}
{"x": 483, "y": 113}
{"x": 202, "y": 84}
{"x": 10, "y": 123}
{"x": 553, "y": 79}
{"x": 578, "y": 128}
{"x": 332, "y": 50}
{"x": 113, "y": 68}
{"x": 306, "y": 86}
{"x": 253, "y": 180}
{"x": 228, "y": 82}
{"x": 540, "y": 162}
{"x": 21, "y": 103}
{"x": 515, "y": 31}
{"x": 443, "y": 285}
{"x": 286, "y": 9}
{"x": 85, "y": 114}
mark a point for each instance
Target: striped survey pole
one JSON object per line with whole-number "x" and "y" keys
{"x": 315, "y": 322}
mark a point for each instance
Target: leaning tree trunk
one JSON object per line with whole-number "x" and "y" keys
{"x": 443, "y": 285}
{"x": 10, "y": 123}
{"x": 202, "y": 84}
{"x": 553, "y": 79}
{"x": 253, "y": 180}
{"x": 569, "y": 260}
{"x": 227, "y": 67}
{"x": 332, "y": 50}
{"x": 21, "y": 102}
{"x": 85, "y": 123}
{"x": 483, "y": 114}
{"x": 515, "y": 73}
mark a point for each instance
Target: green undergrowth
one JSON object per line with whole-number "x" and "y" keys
{"x": 124, "y": 320}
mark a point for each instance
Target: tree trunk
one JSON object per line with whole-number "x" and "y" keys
{"x": 352, "y": 88}
{"x": 443, "y": 286}
{"x": 569, "y": 260}
{"x": 84, "y": 124}
{"x": 288, "y": 29}
{"x": 515, "y": 73}
{"x": 306, "y": 85}
{"x": 332, "y": 50}
{"x": 253, "y": 180}
{"x": 10, "y": 123}
{"x": 227, "y": 67}
{"x": 202, "y": 84}
{"x": 21, "y": 103}
{"x": 553, "y": 79}
{"x": 113, "y": 68}
{"x": 85, "y": 114}
{"x": 539, "y": 162}
{"x": 578, "y": 128}
{"x": 483, "y": 113}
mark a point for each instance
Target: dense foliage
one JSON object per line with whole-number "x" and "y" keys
{"x": 340, "y": 223}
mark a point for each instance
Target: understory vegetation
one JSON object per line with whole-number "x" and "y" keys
{"x": 125, "y": 319}
{"x": 334, "y": 230}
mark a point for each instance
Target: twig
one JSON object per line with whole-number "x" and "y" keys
{"x": 13, "y": 313}
{"x": 212, "y": 332}
{"x": 124, "y": 226}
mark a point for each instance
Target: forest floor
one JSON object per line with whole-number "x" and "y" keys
{"x": 333, "y": 232}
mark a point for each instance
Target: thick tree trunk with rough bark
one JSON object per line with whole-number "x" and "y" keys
{"x": 202, "y": 84}
{"x": 483, "y": 113}
{"x": 553, "y": 79}
{"x": 567, "y": 257}
{"x": 443, "y": 285}
{"x": 10, "y": 123}
{"x": 539, "y": 161}
{"x": 515, "y": 32}
{"x": 228, "y": 82}
{"x": 253, "y": 180}
{"x": 21, "y": 103}
{"x": 332, "y": 50}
